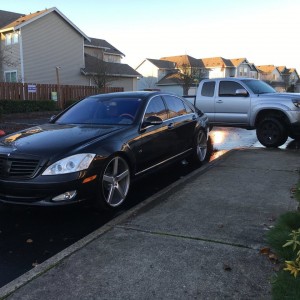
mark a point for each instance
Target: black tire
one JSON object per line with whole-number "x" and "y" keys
{"x": 114, "y": 184}
{"x": 202, "y": 148}
{"x": 271, "y": 133}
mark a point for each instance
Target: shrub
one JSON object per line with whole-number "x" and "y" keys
{"x": 24, "y": 106}
{"x": 284, "y": 239}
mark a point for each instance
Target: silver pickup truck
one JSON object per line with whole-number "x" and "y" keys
{"x": 251, "y": 104}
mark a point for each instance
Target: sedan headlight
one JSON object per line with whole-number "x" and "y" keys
{"x": 296, "y": 102}
{"x": 70, "y": 164}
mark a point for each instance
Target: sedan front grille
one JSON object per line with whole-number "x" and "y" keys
{"x": 18, "y": 167}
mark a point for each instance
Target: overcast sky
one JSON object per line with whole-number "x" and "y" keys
{"x": 263, "y": 31}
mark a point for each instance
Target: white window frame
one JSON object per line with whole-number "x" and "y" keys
{"x": 10, "y": 73}
{"x": 11, "y": 38}
{"x": 7, "y": 39}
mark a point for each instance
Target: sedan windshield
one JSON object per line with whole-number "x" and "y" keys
{"x": 102, "y": 110}
{"x": 258, "y": 87}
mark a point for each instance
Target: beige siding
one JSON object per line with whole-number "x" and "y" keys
{"x": 94, "y": 52}
{"x": 49, "y": 42}
{"x": 129, "y": 84}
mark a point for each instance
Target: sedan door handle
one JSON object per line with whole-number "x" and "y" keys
{"x": 219, "y": 101}
{"x": 171, "y": 126}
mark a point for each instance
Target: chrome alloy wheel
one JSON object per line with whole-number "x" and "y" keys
{"x": 116, "y": 181}
{"x": 201, "y": 146}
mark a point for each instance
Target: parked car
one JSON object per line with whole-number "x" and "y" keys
{"x": 93, "y": 149}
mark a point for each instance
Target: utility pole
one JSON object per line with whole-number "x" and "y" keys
{"x": 59, "y": 98}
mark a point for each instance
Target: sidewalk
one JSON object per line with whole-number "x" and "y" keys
{"x": 200, "y": 238}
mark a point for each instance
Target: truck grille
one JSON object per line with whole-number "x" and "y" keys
{"x": 18, "y": 167}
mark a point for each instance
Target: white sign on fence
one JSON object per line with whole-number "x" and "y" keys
{"x": 31, "y": 88}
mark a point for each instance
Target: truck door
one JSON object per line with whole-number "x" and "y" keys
{"x": 231, "y": 108}
{"x": 205, "y": 99}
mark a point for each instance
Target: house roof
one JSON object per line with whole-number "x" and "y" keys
{"x": 7, "y": 17}
{"x": 115, "y": 69}
{"x": 170, "y": 79}
{"x": 103, "y": 44}
{"x": 213, "y": 62}
{"x": 184, "y": 60}
{"x": 266, "y": 68}
{"x": 23, "y": 20}
{"x": 237, "y": 61}
{"x": 291, "y": 70}
{"x": 162, "y": 64}
{"x": 282, "y": 69}
{"x": 253, "y": 67}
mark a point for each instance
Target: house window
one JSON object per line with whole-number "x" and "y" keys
{"x": 10, "y": 76}
{"x": 11, "y": 38}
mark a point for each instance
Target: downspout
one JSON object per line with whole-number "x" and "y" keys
{"x": 22, "y": 61}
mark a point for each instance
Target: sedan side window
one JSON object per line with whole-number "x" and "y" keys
{"x": 175, "y": 106}
{"x": 228, "y": 88}
{"x": 156, "y": 107}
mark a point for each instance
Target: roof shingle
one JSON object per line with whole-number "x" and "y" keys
{"x": 114, "y": 69}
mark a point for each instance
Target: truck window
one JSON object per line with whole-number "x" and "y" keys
{"x": 208, "y": 89}
{"x": 228, "y": 88}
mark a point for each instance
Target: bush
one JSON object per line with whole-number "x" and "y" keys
{"x": 284, "y": 240}
{"x": 25, "y": 106}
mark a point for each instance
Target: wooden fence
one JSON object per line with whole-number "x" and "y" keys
{"x": 27, "y": 91}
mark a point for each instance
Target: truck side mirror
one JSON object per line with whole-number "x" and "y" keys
{"x": 241, "y": 93}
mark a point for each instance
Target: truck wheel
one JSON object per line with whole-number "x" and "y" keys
{"x": 271, "y": 133}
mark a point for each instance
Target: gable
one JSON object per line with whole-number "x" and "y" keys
{"x": 24, "y": 20}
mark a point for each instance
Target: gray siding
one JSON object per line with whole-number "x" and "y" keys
{"x": 49, "y": 42}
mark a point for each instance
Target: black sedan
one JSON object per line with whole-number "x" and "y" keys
{"x": 93, "y": 149}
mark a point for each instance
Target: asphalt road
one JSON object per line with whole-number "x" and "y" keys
{"x": 29, "y": 236}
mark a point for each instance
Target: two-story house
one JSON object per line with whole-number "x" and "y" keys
{"x": 39, "y": 47}
{"x": 154, "y": 72}
{"x": 164, "y": 73}
{"x": 243, "y": 68}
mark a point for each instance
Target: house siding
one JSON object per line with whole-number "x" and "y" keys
{"x": 129, "y": 84}
{"x": 95, "y": 52}
{"x": 42, "y": 40}
{"x": 150, "y": 76}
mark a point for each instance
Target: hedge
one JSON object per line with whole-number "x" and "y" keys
{"x": 25, "y": 106}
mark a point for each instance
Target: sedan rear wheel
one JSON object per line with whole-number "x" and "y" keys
{"x": 201, "y": 151}
{"x": 115, "y": 183}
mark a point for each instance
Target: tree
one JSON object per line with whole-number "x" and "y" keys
{"x": 102, "y": 76}
{"x": 6, "y": 59}
{"x": 189, "y": 76}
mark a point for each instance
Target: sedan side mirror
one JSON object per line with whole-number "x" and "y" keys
{"x": 52, "y": 118}
{"x": 152, "y": 120}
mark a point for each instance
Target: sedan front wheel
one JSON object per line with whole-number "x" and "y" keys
{"x": 114, "y": 183}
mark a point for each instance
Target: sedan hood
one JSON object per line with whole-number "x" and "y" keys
{"x": 49, "y": 139}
